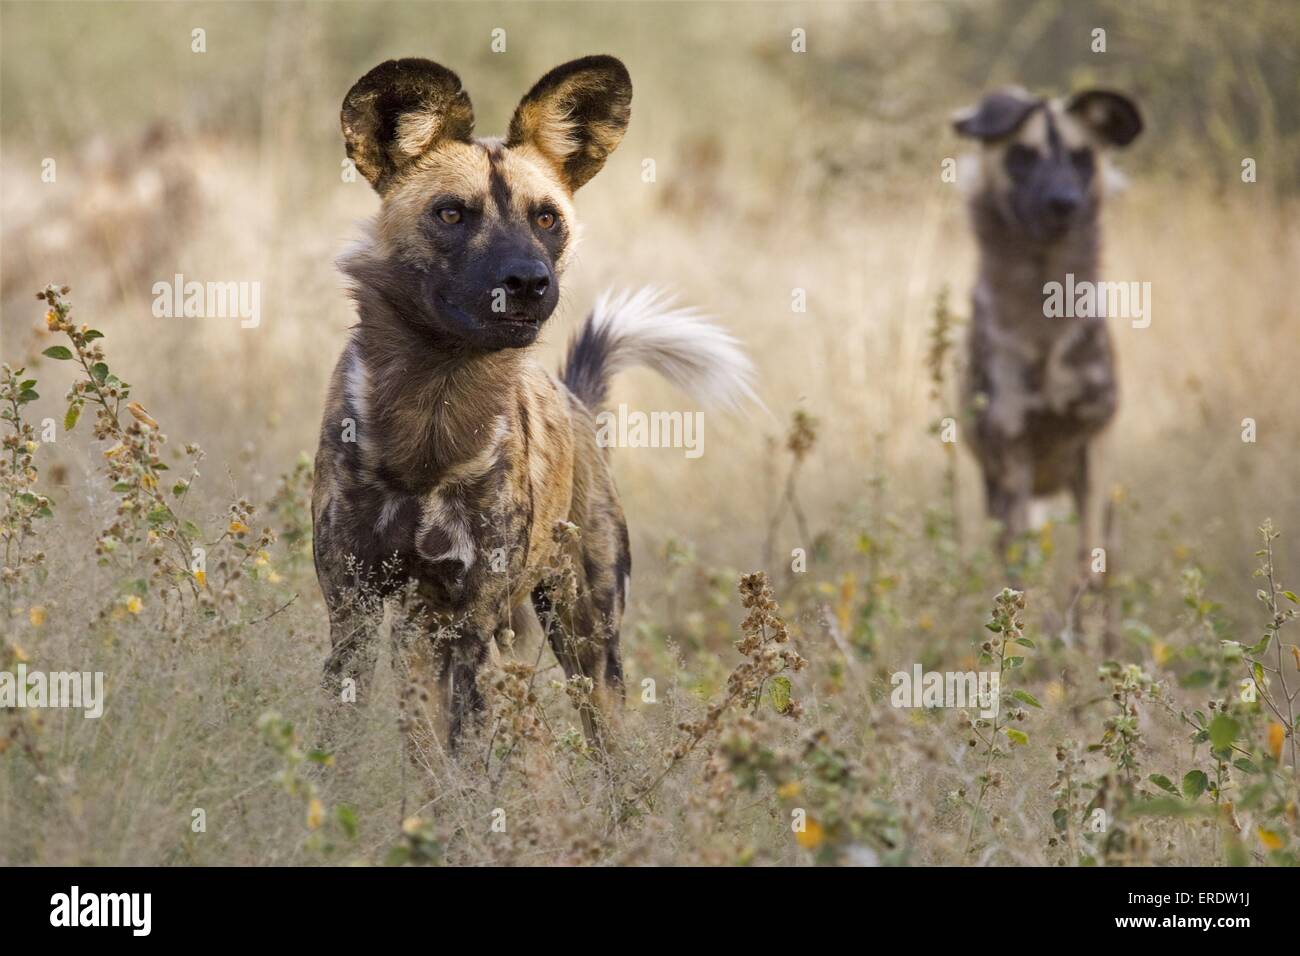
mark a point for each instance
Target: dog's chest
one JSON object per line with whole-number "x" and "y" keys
{"x": 470, "y": 533}
{"x": 459, "y": 538}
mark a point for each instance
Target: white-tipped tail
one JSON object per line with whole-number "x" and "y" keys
{"x": 648, "y": 328}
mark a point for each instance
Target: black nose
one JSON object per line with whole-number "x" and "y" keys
{"x": 1062, "y": 205}
{"x": 525, "y": 278}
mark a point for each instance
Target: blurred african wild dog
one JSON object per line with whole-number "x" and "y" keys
{"x": 1040, "y": 388}
{"x": 448, "y": 455}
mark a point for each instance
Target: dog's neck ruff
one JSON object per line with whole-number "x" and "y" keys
{"x": 1014, "y": 267}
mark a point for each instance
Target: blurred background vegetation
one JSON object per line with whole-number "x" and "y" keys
{"x": 717, "y": 77}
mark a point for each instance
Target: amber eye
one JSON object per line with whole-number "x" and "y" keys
{"x": 450, "y": 215}
{"x": 546, "y": 220}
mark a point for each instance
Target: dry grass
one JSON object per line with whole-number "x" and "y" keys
{"x": 836, "y": 191}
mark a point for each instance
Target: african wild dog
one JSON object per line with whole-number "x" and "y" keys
{"x": 1040, "y": 388}
{"x": 448, "y": 456}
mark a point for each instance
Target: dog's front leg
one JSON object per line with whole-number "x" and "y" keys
{"x": 439, "y": 666}
{"x": 1081, "y": 490}
{"x": 1010, "y": 491}
{"x": 346, "y": 681}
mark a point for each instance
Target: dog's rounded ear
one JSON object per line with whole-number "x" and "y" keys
{"x": 1111, "y": 116}
{"x": 575, "y": 116}
{"x": 999, "y": 114}
{"x": 399, "y": 111}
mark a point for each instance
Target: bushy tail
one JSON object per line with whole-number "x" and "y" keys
{"x": 645, "y": 327}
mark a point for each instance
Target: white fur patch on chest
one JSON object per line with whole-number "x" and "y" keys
{"x": 446, "y": 514}
{"x": 445, "y": 517}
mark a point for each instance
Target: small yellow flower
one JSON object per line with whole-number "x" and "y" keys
{"x": 148, "y": 481}
{"x": 1045, "y": 539}
{"x": 315, "y": 814}
{"x": 275, "y": 577}
{"x": 20, "y": 655}
{"x": 1161, "y": 652}
{"x": 1276, "y": 734}
{"x": 812, "y": 836}
{"x": 202, "y": 578}
{"x": 412, "y": 825}
{"x": 238, "y": 527}
{"x": 1270, "y": 839}
{"x": 262, "y": 559}
{"x": 788, "y": 790}
{"x": 134, "y": 605}
{"x": 37, "y": 616}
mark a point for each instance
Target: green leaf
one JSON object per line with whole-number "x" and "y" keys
{"x": 321, "y": 757}
{"x": 1195, "y": 679}
{"x": 347, "y": 818}
{"x": 1026, "y": 698}
{"x": 60, "y": 352}
{"x": 1194, "y": 784}
{"x": 28, "y": 395}
{"x": 159, "y": 515}
{"x": 1291, "y": 596}
{"x": 1223, "y": 731}
{"x": 1256, "y": 649}
{"x": 1015, "y": 662}
{"x": 397, "y": 856}
{"x": 1024, "y": 642}
{"x": 1162, "y": 807}
{"x": 70, "y": 419}
{"x": 92, "y": 334}
{"x": 1017, "y": 736}
{"x": 99, "y": 371}
{"x": 779, "y": 694}
{"x": 1241, "y": 763}
{"x": 1060, "y": 818}
{"x": 1164, "y": 783}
